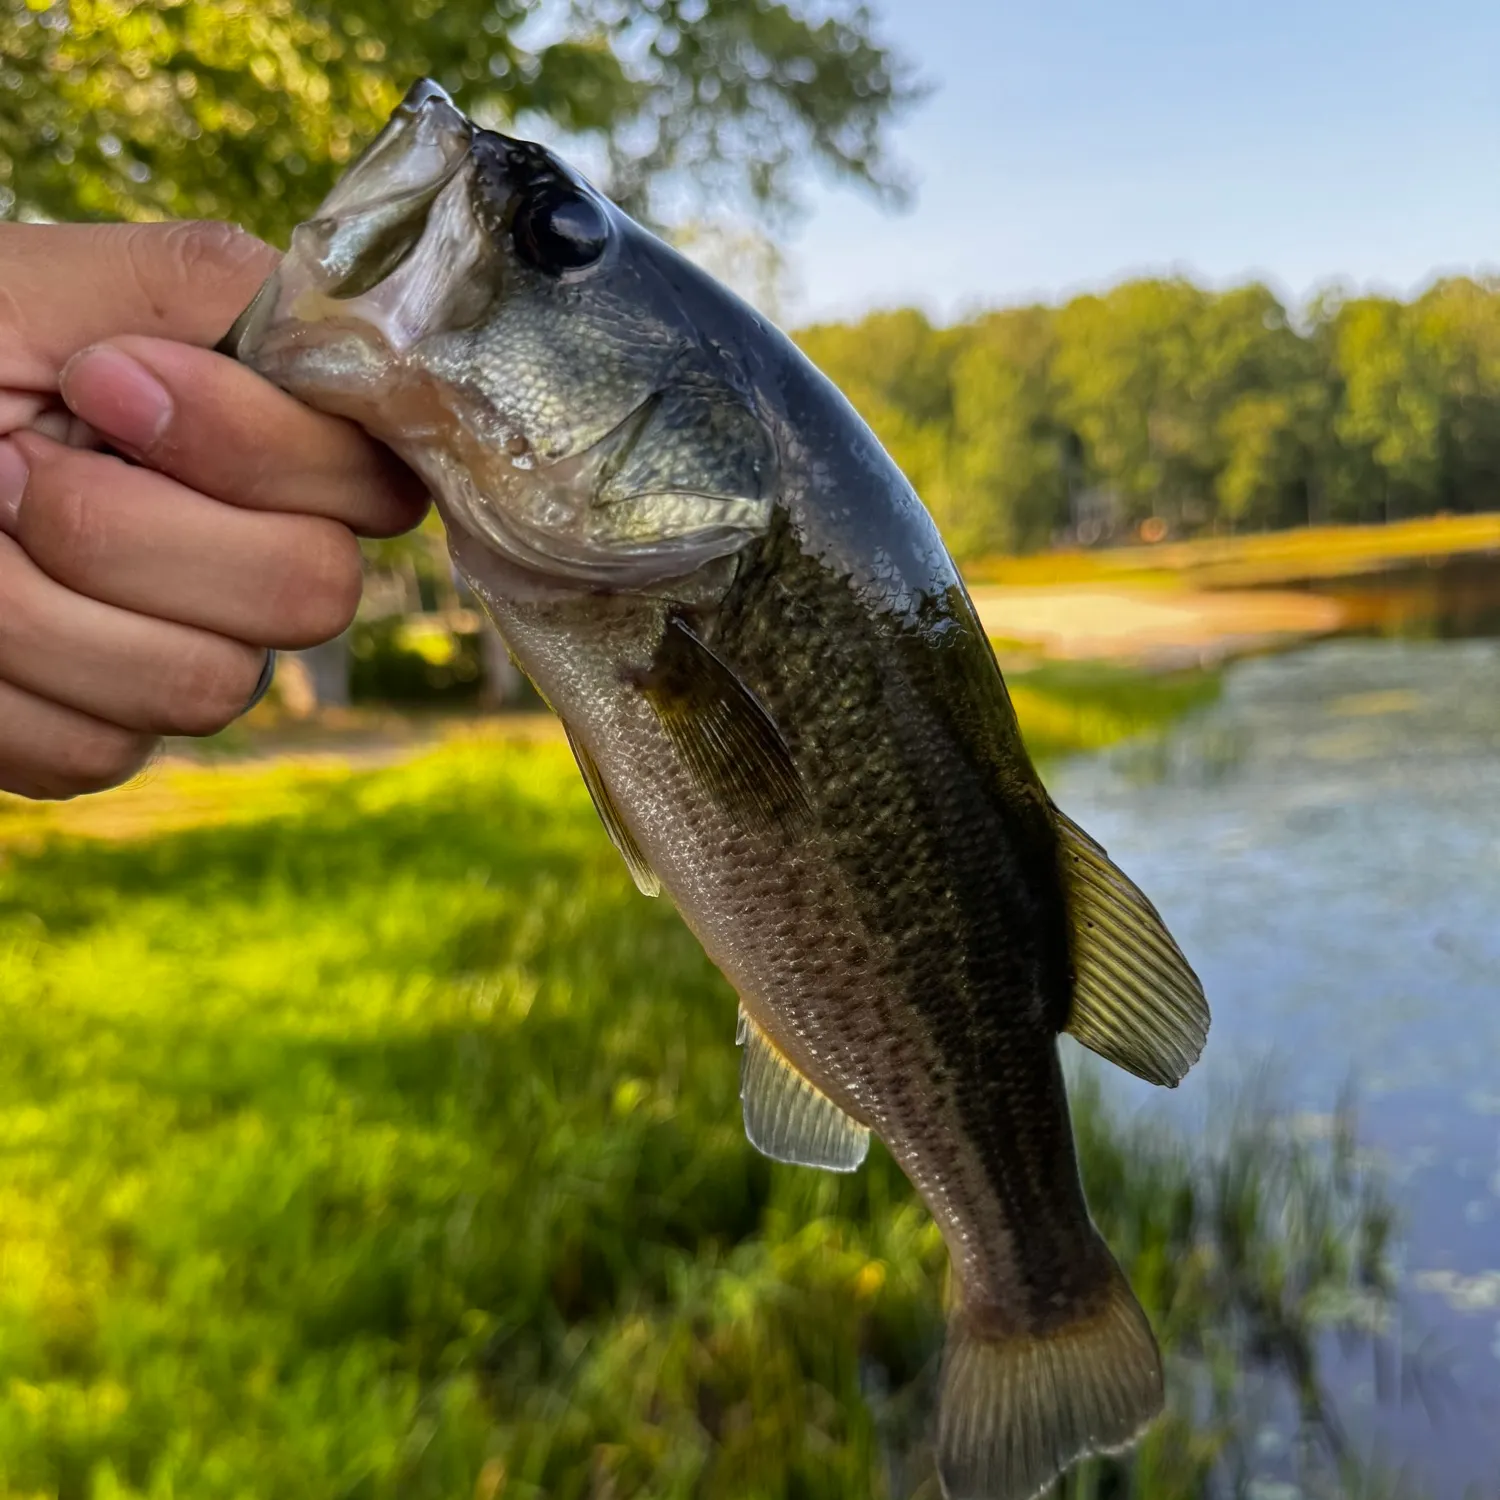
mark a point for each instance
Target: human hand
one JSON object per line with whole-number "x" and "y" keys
{"x": 139, "y": 594}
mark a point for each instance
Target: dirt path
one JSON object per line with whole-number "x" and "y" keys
{"x": 1149, "y": 626}
{"x": 188, "y": 788}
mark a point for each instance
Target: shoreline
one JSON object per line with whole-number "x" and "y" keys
{"x": 1152, "y": 628}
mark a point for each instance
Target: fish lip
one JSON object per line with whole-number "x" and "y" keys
{"x": 426, "y": 118}
{"x": 427, "y": 121}
{"x": 423, "y": 93}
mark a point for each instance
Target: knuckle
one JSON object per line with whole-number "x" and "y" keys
{"x": 21, "y": 626}
{"x": 322, "y": 592}
{"x": 74, "y": 532}
{"x": 213, "y": 687}
{"x": 164, "y": 259}
{"x": 224, "y": 252}
{"x": 261, "y": 478}
{"x": 205, "y": 244}
{"x": 98, "y": 758}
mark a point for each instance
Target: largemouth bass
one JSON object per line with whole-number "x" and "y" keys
{"x": 788, "y": 717}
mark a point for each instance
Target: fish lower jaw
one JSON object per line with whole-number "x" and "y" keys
{"x": 563, "y": 558}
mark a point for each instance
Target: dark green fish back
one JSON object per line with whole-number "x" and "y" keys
{"x": 906, "y": 741}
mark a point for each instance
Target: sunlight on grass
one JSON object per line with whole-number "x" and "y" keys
{"x": 1253, "y": 559}
{"x": 1068, "y": 707}
{"x": 364, "y": 1133}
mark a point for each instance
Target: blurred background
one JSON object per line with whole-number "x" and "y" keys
{"x": 363, "y": 1133}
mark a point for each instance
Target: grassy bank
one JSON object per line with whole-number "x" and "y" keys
{"x": 1066, "y": 708}
{"x": 1255, "y": 559}
{"x": 364, "y": 1133}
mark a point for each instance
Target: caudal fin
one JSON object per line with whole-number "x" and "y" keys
{"x": 1016, "y": 1411}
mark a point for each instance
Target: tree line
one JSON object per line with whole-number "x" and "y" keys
{"x": 1194, "y": 410}
{"x": 1157, "y": 401}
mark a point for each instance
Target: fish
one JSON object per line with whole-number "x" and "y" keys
{"x": 789, "y": 718}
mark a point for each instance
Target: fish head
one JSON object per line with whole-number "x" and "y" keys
{"x": 572, "y": 389}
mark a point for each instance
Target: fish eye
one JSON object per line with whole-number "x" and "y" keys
{"x": 560, "y": 231}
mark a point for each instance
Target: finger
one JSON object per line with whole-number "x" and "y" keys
{"x": 220, "y": 428}
{"x": 43, "y": 413}
{"x": 70, "y": 285}
{"x": 140, "y": 541}
{"x": 22, "y": 408}
{"x": 153, "y": 676}
{"x": 50, "y": 751}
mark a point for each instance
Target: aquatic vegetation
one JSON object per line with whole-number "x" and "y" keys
{"x": 387, "y": 1143}
{"x": 1067, "y": 707}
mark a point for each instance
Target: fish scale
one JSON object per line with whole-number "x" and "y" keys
{"x": 786, "y": 711}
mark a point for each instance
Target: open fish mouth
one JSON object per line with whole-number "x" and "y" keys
{"x": 423, "y": 143}
{"x": 382, "y": 249}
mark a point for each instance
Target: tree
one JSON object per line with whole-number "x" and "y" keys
{"x": 249, "y": 109}
{"x": 1456, "y": 325}
{"x": 1265, "y": 392}
{"x": 896, "y": 370}
{"x": 1389, "y": 416}
{"x": 1009, "y": 464}
{"x": 1128, "y": 372}
{"x": 1212, "y": 409}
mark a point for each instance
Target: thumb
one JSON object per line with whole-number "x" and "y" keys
{"x": 65, "y": 286}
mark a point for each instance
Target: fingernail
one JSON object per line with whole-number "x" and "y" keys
{"x": 118, "y": 396}
{"x": 13, "y": 477}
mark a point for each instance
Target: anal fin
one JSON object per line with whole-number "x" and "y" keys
{"x": 786, "y": 1117}
{"x": 630, "y": 851}
{"x": 1136, "y": 1001}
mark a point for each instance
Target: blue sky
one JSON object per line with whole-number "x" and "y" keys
{"x": 1069, "y": 143}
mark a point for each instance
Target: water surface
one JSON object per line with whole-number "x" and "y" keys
{"x": 1325, "y": 844}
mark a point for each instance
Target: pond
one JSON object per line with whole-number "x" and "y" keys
{"x": 1325, "y": 844}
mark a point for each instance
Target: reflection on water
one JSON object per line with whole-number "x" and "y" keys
{"x": 1443, "y": 597}
{"x": 1325, "y": 844}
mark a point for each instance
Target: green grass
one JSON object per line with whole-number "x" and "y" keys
{"x": 1252, "y": 559}
{"x": 1068, "y": 707}
{"x": 367, "y": 1135}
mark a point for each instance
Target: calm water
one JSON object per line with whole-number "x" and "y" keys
{"x": 1325, "y": 844}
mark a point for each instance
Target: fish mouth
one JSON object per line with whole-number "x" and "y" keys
{"x": 367, "y": 259}
{"x": 423, "y": 143}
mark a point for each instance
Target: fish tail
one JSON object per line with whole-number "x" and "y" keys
{"x": 1019, "y": 1407}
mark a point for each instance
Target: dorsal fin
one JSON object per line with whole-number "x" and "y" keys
{"x": 786, "y": 1117}
{"x": 1135, "y": 999}
{"x": 630, "y": 851}
{"x": 729, "y": 742}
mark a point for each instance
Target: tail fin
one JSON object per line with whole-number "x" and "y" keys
{"x": 1017, "y": 1410}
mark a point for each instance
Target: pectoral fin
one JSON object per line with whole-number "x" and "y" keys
{"x": 1135, "y": 999}
{"x": 727, "y": 739}
{"x": 786, "y": 1117}
{"x": 630, "y": 851}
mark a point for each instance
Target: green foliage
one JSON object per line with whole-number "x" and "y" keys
{"x": 1068, "y": 707}
{"x": 408, "y": 661}
{"x": 1011, "y": 456}
{"x": 372, "y": 1137}
{"x": 248, "y": 109}
{"x": 1208, "y": 410}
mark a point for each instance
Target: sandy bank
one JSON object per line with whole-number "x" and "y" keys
{"x": 1150, "y": 626}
